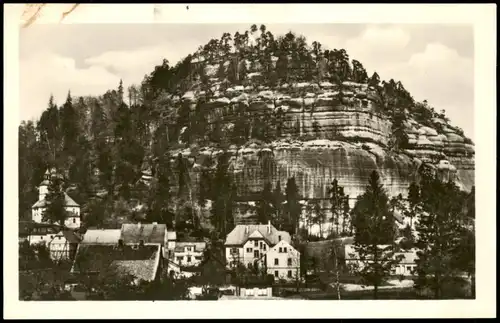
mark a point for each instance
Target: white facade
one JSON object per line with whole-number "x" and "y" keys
{"x": 73, "y": 220}
{"x": 405, "y": 267}
{"x": 187, "y": 255}
{"x": 283, "y": 261}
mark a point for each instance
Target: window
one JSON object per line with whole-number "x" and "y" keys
{"x": 197, "y": 258}
{"x": 74, "y": 220}
{"x": 256, "y": 243}
{"x": 280, "y": 250}
{"x": 276, "y": 261}
{"x": 289, "y": 274}
{"x": 263, "y": 292}
{"x": 408, "y": 268}
{"x": 256, "y": 253}
{"x": 249, "y": 265}
{"x": 289, "y": 262}
{"x": 188, "y": 258}
{"x": 234, "y": 250}
{"x": 264, "y": 247}
{"x": 276, "y": 274}
{"x": 249, "y": 249}
{"x": 249, "y": 292}
{"x": 284, "y": 250}
{"x": 179, "y": 259}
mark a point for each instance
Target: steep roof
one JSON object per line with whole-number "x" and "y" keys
{"x": 140, "y": 262}
{"x": 241, "y": 234}
{"x": 149, "y": 233}
{"x": 70, "y": 236}
{"x": 101, "y": 236}
{"x": 68, "y": 201}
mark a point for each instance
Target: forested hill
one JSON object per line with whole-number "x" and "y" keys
{"x": 121, "y": 153}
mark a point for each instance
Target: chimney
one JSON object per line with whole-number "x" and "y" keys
{"x": 246, "y": 228}
{"x": 139, "y": 225}
{"x": 269, "y": 226}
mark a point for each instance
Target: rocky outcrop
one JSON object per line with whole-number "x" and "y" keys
{"x": 342, "y": 134}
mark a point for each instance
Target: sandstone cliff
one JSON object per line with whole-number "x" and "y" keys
{"x": 328, "y": 129}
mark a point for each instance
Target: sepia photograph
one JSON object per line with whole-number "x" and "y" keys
{"x": 245, "y": 161}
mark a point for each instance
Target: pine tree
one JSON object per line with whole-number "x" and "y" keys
{"x": 160, "y": 195}
{"x": 374, "y": 235}
{"x": 265, "y": 208}
{"x": 55, "y": 202}
{"x": 336, "y": 193}
{"x": 293, "y": 205}
{"x": 69, "y": 123}
{"x": 413, "y": 200}
{"x": 345, "y": 214}
{"x": 439, "y": 236}
{"x": 278, "y": 199}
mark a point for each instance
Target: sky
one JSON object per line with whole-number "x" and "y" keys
{"x": 435, "y": 62}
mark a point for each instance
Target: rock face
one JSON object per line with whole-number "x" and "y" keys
{"x": 341, "y": 135}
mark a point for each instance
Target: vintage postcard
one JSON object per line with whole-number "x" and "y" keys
{"x": 187, "y": 156}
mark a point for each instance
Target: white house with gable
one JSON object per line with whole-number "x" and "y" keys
{"x": 282, "y": 261}
{"x": 72, "y": 208}
{"x": 261, "y": 244}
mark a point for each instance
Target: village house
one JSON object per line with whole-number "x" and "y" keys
{"x": 64, "y": 245}
{"x": 282, "y": 261}
{"x": 101, "y": 236}
{"x": 189, "y": 253}
{"x": 407, "y": 265}
{"x": 249, "y": 245}
{"x": 142, "y": 262}
{"x": 36, "y": 233}
{"x": 72, "y": 208}
{"x": 136, "y": 234}
{"x": 404, "y": 267}
{"x": 60, "y": 242}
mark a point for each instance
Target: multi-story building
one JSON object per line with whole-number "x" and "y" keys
{"x": 72, "y": 208}
{"x": 254, "y": 245}
{"x": 189, "y": 253}
{"x": 282, "y": 261}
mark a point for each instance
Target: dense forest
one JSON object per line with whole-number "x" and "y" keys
{"x": 114, "y": 150}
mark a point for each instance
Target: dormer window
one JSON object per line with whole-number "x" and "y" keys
{"x": 120, "y": 242}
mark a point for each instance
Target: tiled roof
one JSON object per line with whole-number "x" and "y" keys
{"x": 241, "y": 233}
{"x": 141, "y": 262}
{"x": 101, "y": 236}
{"x": 149, "y": 233}
{"x": 142, "y": 269}
{"x": 198, "y": 246}
{"x": 32, "y": 228}
{"x": 68, "y": 201}
{"x": 70, "y": 236}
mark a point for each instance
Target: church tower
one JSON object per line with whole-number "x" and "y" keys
{"x": 43, "y": 189}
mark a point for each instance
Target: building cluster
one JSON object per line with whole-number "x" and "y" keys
{"x": 144, "y": 250}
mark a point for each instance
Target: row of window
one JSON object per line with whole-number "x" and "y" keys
{"x": 277, "y": 274}
{"x": 277, "y": 261}
{"x": 188, "y": 258}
